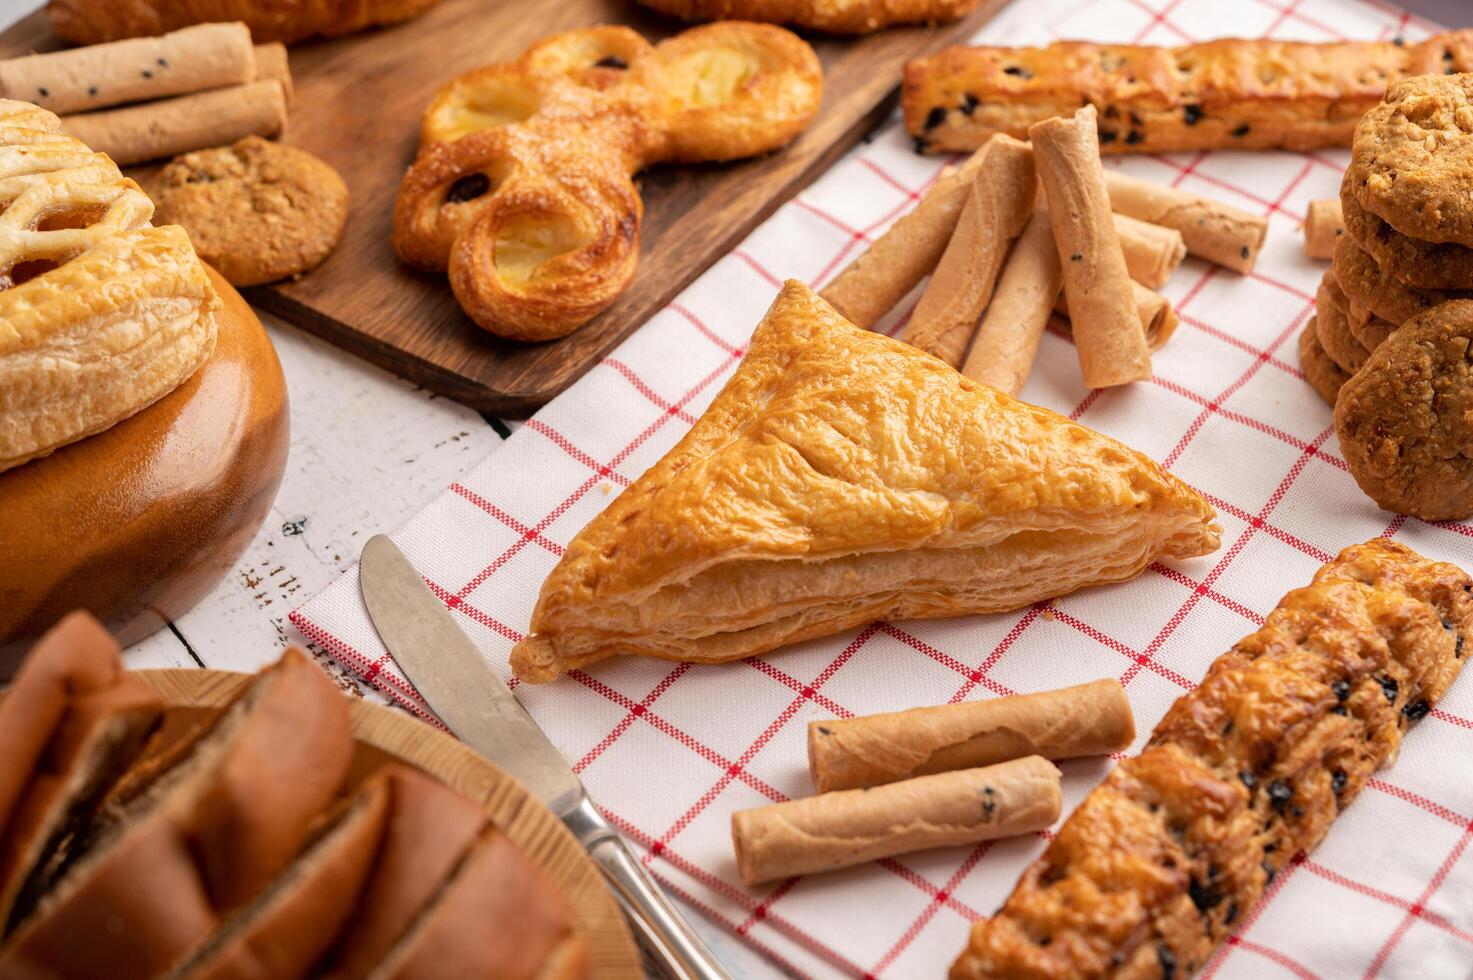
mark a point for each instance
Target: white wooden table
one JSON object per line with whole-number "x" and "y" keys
{"x": 368, "y": 450}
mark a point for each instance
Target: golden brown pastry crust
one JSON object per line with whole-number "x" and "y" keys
{"x": 842, "y": 477}
{"x": 1159, "y": 862}
{"x": 833, "y": 16}
{"x": 524, "y": 188}
{"x": 1226, "y": 94}
{"x": 96, "y": 21}
{"x": 100, "y": 314}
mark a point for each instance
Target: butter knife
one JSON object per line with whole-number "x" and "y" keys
{"x": 473, "y": 702}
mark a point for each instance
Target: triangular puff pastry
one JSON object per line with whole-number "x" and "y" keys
{"x": 842, "y": 477}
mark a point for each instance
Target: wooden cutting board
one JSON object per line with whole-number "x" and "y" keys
{"x": 358, "y": 103}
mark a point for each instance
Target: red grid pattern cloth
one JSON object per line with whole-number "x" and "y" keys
{"x": 669, "y": 751}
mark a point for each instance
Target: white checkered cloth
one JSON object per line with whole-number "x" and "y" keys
{"x": 670, "y": 751}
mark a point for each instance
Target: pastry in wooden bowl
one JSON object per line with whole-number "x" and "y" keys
{"x": 842, "y": 477}
{"x": 1170, "y": 853}
{"x": 832, "y": 16}
{"x": 95, "y": 21}
{"x": 523, "y": 190}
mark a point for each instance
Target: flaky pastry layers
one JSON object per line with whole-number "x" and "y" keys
{"x": 95, "y": 21}
{"x": 833, "y": 16}
{"x": 1165, "y": 857}
{"x": 842, "y": 477}
{"x": 523, "y": 189}
{"x": 100, "y": 313}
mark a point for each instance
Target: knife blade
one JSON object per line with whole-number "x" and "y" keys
{"x": 469, "y": 696}
{"x": 461, "y": 687}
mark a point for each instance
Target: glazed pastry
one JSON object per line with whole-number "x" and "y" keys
{"x": 1166, "y": 856}
{"x": 524, "y": 192}
{"x": 95, "y": 21}
{"x": 842, "y": 477}
{"x": 833, "y": 16}
{"x": 1405, "y": 421}
{"x": 1226, "y": 94}
{"x": 100, "y": 313}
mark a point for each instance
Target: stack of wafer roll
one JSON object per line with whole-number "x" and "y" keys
{"x": 151, "y": 97}
{"x": 932, "y": 777}
{"x": 1003, "y": 255}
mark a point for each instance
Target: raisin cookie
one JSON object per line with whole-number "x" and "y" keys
{"x": 1333, "y": 329}
{"x": 256, "y": 210}
{"x": 1405, "y": 421}
{"x": 1412, "y": 159}
{"x": 1367, "y": 285}
{"x": 1413, "y": 262}
{"x": 1323, "y": 374}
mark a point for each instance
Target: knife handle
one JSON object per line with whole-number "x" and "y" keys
{"x": 664, "y": 931}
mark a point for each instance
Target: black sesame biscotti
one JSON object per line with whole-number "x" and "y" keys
{"x": 1226, "y": 94}
{"x": 1162, "y": 860}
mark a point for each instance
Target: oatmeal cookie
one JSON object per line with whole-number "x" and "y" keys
{"x": 256, "y": 210}
{"x": 1412, "y": 159}
{"x": 1405, "y": 421}
{"x": 1323, "y": 374}
{"x": 1411, "y": 261}
{"x": 1333, "y": 329}
{"x": 1369, "y": 286}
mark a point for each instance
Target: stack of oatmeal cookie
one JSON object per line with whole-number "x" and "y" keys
{"x": 1391, "y": 344}
{"x": 1408, "y": 247}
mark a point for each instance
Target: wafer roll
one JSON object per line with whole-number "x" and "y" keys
{"x": 1158, "y": 317}
{"x": 1322, "y": 225}
{"x": 272, "y": 61}
{"x": 1089, "y": 719}
{"x": 1152, "y": 252}
{"x": 194, "y": 59}
{"x": 1212, "y": 230}
{"x": 997, "y": 208}
{"x": 871, "y": 285}
{"x": 190, "y": 122}
{"x": 1107, "y": 334}
{"x": 838, "y": 830}
{"x": 1007, "y": 341}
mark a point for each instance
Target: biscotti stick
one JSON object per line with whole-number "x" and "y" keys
{"x": 1107, "y": 334}
{"x": 838, "y": 830}
{"x": 1089, "y": 719}
{"x": 1212, "y": 230}
{"x": 1159, "y": 319}
{"x": 1152, "y": 252}
{"x": 871, "y": 285}
{"x": 1322, "y": 225}
{"x": 194, "y": 59}
{"x": 997, "y": 208}
{"x": 1007, "y": 341}
{"x": 190, "y": 122}
{"x": 272, "y": 62}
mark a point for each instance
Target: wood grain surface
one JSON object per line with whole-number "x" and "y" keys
{"x": 357, "y": 105}
{"x": 138, "y": 522}
{"x": 383, "y": 734}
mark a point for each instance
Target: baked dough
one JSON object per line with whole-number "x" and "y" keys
{"x": 100, "y": 313}
{"x": 1225, "y": 94}
{"x": 95, "y": 21}
{"x": 833, "y": 16}
{"x": 524, "y": 190}
{"x": 1168, "y": 855}
{"x": 842, "y": 477}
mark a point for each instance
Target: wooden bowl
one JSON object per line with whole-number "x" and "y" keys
{"x": 138, "y": 523}
{"x": 383, "y": 734}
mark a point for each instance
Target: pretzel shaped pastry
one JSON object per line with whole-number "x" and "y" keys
{"x": 101, "y": 314}
{"x": 523, "y": 188}
{"x": 831, "y": 16}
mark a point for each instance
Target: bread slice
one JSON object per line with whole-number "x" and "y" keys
{"x": 154, "y": 880}
{"x": 429, "y": 830}
{"x": 281, "y": 934}
{"x": 496, "y": 915}
{"x": 71, "y": 722}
